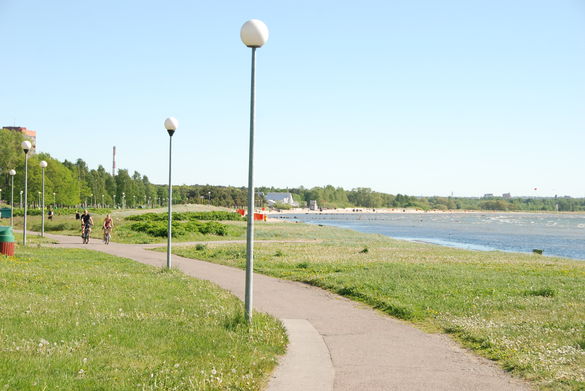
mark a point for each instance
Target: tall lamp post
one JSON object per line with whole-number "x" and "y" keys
{"x": 12, "y": 174}
{"x": 43, "y": 165}
{"x": 114, "y": 201}
{"x": 26, "y": 146}
{"x": 123, "y": 200}
{"x": 54, "y": 199}
{"x": 254, "y": 34}
{"x": 171, "y": 124}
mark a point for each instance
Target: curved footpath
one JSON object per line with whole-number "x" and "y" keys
{"x": 337, "y": 344}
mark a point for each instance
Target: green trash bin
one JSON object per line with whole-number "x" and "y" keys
{"x": 5, "y": 213}
{"x": 6, "y": 241}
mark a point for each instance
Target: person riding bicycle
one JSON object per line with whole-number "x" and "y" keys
{"x": 86, "y": 223}
{"x": 107, "y": 227}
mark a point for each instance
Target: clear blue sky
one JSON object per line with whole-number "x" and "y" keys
{"x": 417, "y": 97}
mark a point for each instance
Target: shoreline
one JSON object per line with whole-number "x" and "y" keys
{"x": 408, "y": 211}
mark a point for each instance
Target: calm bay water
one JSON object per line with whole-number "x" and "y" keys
{"x": 557, "y": 234}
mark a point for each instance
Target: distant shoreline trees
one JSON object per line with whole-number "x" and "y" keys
{"x": 74, "y": 184}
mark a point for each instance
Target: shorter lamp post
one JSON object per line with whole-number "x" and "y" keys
{"x": 26, "y": 147}
{"x": 54, "y": 199}
{"x": 43, "y": 165}
{"x": 123, "y": 200}
{"x": 171, "y": 125}
{"x": 21, "y": 199}
{"x": 114, "y": 201}
{"x": 12, "y": 174}
{"x": 103, "y": 205}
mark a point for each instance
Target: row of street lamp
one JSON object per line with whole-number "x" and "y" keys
{"x": 254, "y": 35}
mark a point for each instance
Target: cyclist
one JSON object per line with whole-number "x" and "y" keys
{"x": 107, "y": 227}
{"x": 86, "y": 223}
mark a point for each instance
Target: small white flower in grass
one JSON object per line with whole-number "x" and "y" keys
{"x": 213, "y": 371}
{"x": 84, "y": 360}
{"x": 81, "y": 372}
{"x": 177, "y": 365}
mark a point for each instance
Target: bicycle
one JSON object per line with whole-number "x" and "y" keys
{"x": 85, "y": 233}
{"x": 107, "y": 235}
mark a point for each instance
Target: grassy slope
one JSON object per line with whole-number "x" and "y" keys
{"x": 67, "y": 225}
{"x": 527, "y": 312}
{"x": 76, "y": 319}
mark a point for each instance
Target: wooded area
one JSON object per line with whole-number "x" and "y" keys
{"x": 75, "y": 184}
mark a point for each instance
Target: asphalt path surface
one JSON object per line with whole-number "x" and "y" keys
{"x": 337, "y": 344}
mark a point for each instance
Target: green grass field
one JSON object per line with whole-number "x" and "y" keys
{"x": 123, "y": 230}
{"x": 525, "y": 311}
{"x": 83, "y": 320}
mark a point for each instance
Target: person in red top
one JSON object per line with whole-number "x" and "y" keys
{"x": 107, "y": 227}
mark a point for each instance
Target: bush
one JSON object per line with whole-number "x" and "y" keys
{"x": 188, "y": 216}
{"x": 60, "y": 211}
{"x": 158, "y": 229}
{"x": 179, "y": 228}
{"x": 544, "y": 292}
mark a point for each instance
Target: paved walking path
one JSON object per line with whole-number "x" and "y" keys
{"x": 337, "y": 344}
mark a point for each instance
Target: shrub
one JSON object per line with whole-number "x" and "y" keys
{"x": 60, "y": 211}
{"x": 188, "y": 216}
{"x": 179, "y": 228}
{"x": 544, "y": 292}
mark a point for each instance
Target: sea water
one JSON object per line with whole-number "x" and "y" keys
{"x": 560, "y": 235}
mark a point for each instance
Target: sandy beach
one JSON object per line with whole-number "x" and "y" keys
{"x": 363, "y": 210}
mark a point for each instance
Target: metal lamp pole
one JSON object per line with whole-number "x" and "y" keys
{"x": 171, "y": 125}
{"x": 12, "y": 174}
{"x": 26, "y": 146}
{"x": 43, "y": 166}
{"x": 254, "y": 34}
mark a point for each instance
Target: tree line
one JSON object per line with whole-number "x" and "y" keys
{"x": 74, "y": 184}
{"x": 70, "y": 183}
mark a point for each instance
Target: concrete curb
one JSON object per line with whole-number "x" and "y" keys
{"x": 307, "y": 364}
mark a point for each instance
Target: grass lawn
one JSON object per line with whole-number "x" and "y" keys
{"x": 525, "y": 311}
{"x": 82, "y": 320}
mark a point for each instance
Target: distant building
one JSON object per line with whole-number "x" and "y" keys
{"x": 488, "y": 195}
{"x": 313, "y": 205}
{"x": 280, "y": 198}
{"x": 506, "y": 196}
{"x": 31, "y": 135}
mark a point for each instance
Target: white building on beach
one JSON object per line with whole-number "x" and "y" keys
{"x": 280, "y": 198}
